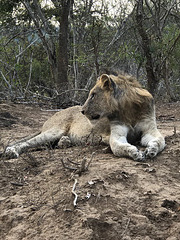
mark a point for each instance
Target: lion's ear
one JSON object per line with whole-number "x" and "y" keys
{"x": 109, "y": 85}
{"x": 106, "y": 82}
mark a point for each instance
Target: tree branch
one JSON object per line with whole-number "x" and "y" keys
{"x": 49, "y": 47}
{"x": 26, "y": 48}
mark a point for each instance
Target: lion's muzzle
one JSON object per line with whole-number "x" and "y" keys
{"x": 90, "y": 117}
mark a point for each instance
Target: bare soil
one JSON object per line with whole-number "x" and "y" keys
{"x": 117, "y": 198}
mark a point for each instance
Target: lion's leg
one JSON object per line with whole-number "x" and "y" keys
{"x": 154, "y": 143}
{"x": 119, "y": 145}
{"x": 64, "y": 142}
{"x": 16, "y": 149}
{"x": 151, "y": 138}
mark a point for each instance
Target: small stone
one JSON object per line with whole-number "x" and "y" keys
{"x": 115, "y": 219}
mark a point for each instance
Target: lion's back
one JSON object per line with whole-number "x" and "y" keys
{"x": 77, "y": 126}
{"x": 63, "y": 119}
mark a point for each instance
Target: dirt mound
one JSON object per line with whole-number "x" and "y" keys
{"x": 117, "y": 198}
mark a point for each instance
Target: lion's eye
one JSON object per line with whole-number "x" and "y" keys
{"x": 92, "y": 96}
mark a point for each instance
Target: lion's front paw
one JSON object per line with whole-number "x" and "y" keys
{"x": 64, "y": 142}
{"x": 151, "y": 152}
{"x": 11, "y": 152}
{"x": 138, "y": 156}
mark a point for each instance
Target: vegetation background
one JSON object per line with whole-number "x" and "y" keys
{"x": 53, "y": 50}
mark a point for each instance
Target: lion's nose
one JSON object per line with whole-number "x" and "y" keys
{"x": 82, "y": 112}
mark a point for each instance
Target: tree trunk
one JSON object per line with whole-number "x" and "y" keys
{"x": 167, "y": 83}
{"x": 62, "y": 82}
{"x": 146, "y": 46}
{"x": 42, "y": 26}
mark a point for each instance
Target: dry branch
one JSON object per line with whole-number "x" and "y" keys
{"x": 72, "y": 162}
{"x": 67, "y": 167}
{"x": 78, "y": 167}
{"x": 83, "y": 166}
{"x": 74, "y": 193}
{"x": 127, "y": 225}
{"x": 90, "y": 161}
{"x": 17, "y": 184}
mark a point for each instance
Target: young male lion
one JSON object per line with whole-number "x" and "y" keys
{"x": 118, "y": 111}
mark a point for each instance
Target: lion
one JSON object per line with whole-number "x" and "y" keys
{"x": 118, "y": 112}
{"x": 130, "y": 110}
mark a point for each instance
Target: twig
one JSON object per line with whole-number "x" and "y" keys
{"x": 72, "y": 162}
{"x": 27, "y": 47}
{"x": 143, "y": 164}
{"x": 90, "y": 160}
{"x": 75, "y": 194}
{"x": 9, "y": 85}
{"x": 67, "y": 167}
{"x": 72, "y": 90}
{"x": 51, "y": 110}
{"x": 83, "y": 165}
{"x": 40, "y": 96}
{"x": 128, "y": 221}
{"x": 30, "y": 74}
{"x": 17, "y": 184}
{"x": 79, "y": 167}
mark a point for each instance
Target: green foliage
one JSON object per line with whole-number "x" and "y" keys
{"x": 41, "y": 72}
{"x": 8, "y": 6}
{"x": 6, "y": 9}
{"x": 98, "y": 38}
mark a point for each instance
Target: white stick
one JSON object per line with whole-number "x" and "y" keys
{"x": 75, "y": 194}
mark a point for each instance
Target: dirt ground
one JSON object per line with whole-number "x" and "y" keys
{"x": 117, "y": 198}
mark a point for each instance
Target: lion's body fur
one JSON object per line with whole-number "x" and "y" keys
{"x": 76, "y": 126}
{"x": 116, "y": 108}
{"x": 69, "y": 122}
{"x": 129, "y": 108}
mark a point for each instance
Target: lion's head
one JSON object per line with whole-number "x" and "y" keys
{"x": 117, "y": 97}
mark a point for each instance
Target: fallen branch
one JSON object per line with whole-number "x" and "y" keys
{"x": 68, "y": 167}
{"x": 72, "y": 162}
{"x": 74, "y": 193}
{"x": 51, "y": 110}
{"x": 143, "y": 164}
{"x": 17, "y": 184}
{"x": 72, "y": 90}
{"x": 90, "y": 161}
{"x": 127, "y": 225}
{"x": 78, "y": 167}
{"x": 83, "y": 166}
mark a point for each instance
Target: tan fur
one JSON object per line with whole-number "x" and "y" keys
{"x": 117, "y": 108}
{"x": 129, "y": 108}
{"x": 70, "y": 123}
{"x": 134, "y": 103}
